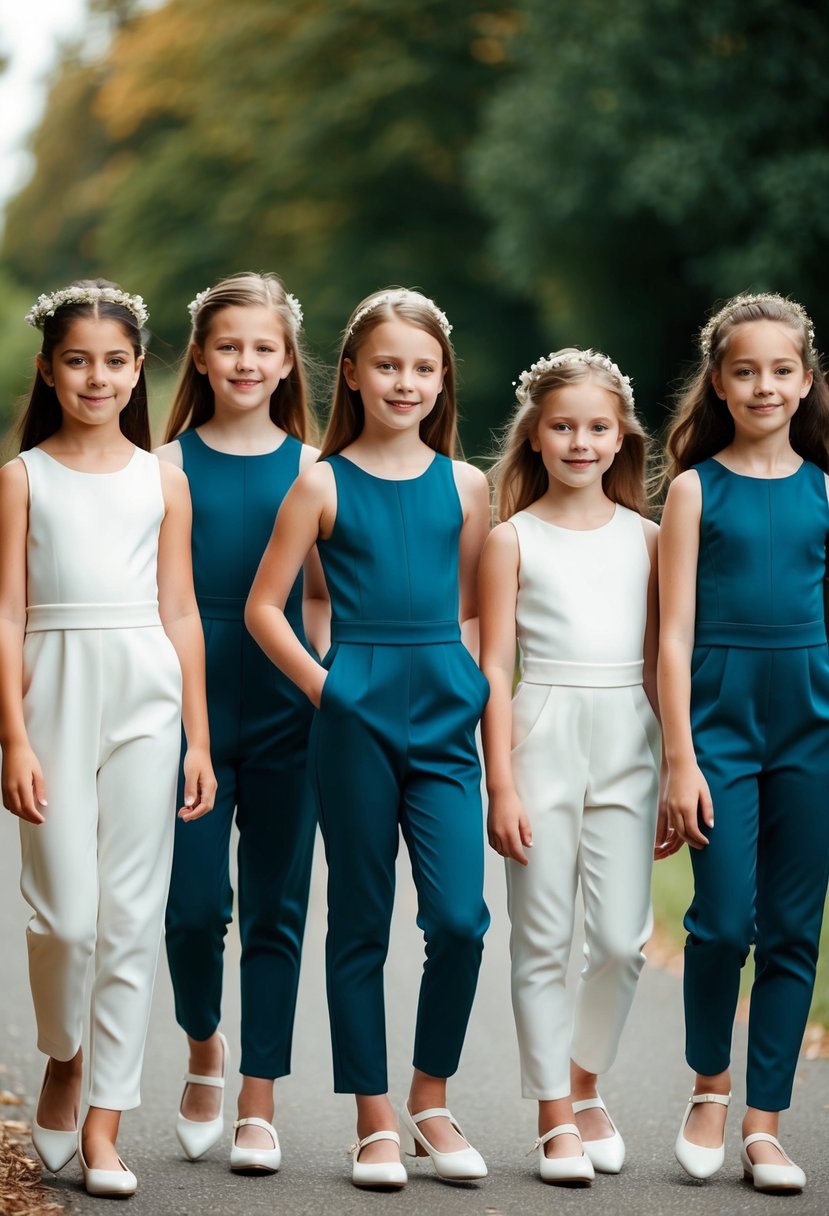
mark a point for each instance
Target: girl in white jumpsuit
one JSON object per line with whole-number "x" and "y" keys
{"x": 99, "y": 641}
{"x": 572, "y": 761}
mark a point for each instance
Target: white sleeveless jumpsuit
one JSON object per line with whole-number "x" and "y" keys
{"x": 585, "y": 761}
{"x": 102, "y": 705}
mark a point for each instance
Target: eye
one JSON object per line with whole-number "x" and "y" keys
{"x": 784, "y": 371}
{"x": 118, "y": 361}
{"x": 426, "y": 369}
{"x": 226, "y": 346}
{"x": 601, "y": 427}
{"x": 266, "y": 350}
{"x": 385, "y": 367}
{"x": 743, "y": 372}
{"x": 75, "y": 361}
{"x": 559, "y": 426}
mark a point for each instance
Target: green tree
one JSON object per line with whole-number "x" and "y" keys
{"x": 646, "y": 159}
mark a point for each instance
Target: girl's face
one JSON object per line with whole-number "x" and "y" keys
{"x": 398, "y": 372}
{"x": 244, "y": 357}
{"x": 761, "y": 377}
{"x": 578, "y": 433}
{"x": 93, "y": 371}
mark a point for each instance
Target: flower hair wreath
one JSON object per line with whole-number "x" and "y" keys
{"x": 397, "y": 297}
{"x": 293, "y": 303}
{"x": 589, "y": 358}
{"x": 47, "y": 305}
{"x": 726, "y": 313}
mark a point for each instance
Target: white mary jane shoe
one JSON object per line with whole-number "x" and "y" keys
{"x": 607, "y": 1154}
{"x": 107, "y": 1184}
{"x": 788, "y": 1177}
{"x": 463, "y": 1165}
{"x": 260, "y": 1160}
{"x": 196, "y": 1136}
{"x": 568, "y": 1171}
{"x": 55, "y": 1148}
{"x": 377, "y": 1173}
{"x": 696, "y": 1159}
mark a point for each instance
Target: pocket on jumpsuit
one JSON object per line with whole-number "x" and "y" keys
{"x": 528, "y": 704}
{"x": 481, "y": 682}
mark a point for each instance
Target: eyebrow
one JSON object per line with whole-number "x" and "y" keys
{"x": 238, "y": 338}
{"x": 78, "y": 350}
{"x": 418, "y": 358}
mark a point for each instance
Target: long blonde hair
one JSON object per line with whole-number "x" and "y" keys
{"x": 518, "y": 474}
{"x": 701, "y": 424}
{"x": 439, "y": 430}
{"x": 194, "y": 402}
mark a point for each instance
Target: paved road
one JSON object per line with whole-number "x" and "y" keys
{"x": 646, "y": 1092}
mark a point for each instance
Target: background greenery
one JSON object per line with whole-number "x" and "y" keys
{"x": 593, "y": 173}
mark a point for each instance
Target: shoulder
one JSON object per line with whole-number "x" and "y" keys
{"x": 316, "y": 482}
{"x": 170, "y": 453}
{"x": 468, "y": 477}
{"x": 14, "y": 480}
{"x": 308, "y": 456}
{"x": 503, "y": 539}
{"x": 685, "y": 490}
{"x": 174, "y": 484}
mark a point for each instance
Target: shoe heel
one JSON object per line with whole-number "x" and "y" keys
{"x": 747, "y": 1176}
{"x": 407, "y": 1144}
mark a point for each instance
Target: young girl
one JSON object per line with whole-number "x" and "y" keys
{"x": 98, "y": 630}
{"x": 238, "y": 425}
{"x": 400, "y": 527}
{"x": 744, "y": 688}
{"x": 571, "y": 762}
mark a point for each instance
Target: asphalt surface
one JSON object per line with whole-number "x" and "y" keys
{"x": 646, "y": 1092}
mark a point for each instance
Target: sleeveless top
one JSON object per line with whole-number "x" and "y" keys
{"x": 581, "y": 608}
{"x": 762, "y": 558}
{"x": 92, "y": 544}
{"x": 235, "y": 502}
{"x": 391, "y": 562}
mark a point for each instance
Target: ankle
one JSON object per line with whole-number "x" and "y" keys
{"x": 426, "y": 1092}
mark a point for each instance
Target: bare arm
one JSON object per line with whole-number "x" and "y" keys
{"x": 171, "y": 452}
{"x": 316, "y": 602}
{"x": 473, "y": 491}
{"x": 180, "y": 617}
{"x": 24, "y": 790}
{"x": 307, "y": 512}
{"x": 688, "y": 797}
{"x": 508, "y": 825}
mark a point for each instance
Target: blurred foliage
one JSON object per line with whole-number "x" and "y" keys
{"x": 549, "y": 172}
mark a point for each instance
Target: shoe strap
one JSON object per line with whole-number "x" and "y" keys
{"x": 190, "y": 1078}
{"x": 589, "y": 1104}
{"x": 434, "y": 1112}
{"x": 769, "y": 1139}
{"x": 255, "y": 1121}
{"x": 723, "y": 1099}
{"x": 359, "y": 1145}
{"x": 563, "y": 1129}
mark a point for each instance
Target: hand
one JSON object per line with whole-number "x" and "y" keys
{"x": 688, "y": 802}
{"x": 508, "y": 827}
{"x": 199, "y": 784}
{"x": 667, "y": 842}
{"x": 24, "y": 790}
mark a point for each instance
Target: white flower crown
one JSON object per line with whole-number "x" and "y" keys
{"x": 293, "y": 304}
{"x": 47, "y": 306}
{"x": 590, "y": 358}
{"x": 764, "y": 297}
{"x": 397, "y": 297}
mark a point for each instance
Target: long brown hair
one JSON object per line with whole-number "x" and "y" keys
{"x": 194, "y": 402}
{"x": 439, "y": 429}
{"x": 701, "y": 424}
{"x": 42, "y": 416}
{"x": 518, "y": 474}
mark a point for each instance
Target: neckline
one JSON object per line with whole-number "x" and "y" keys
{"x": 240, "y": 455}
{"x": 751, "y": 477}
{"x": 391, "y": 481}
{"x": 574, "y": 531}
{"x": 88, "y": 472}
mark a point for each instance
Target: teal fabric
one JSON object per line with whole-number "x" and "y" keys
{"x": 393, "y": 749}
{"x": 760, "y": 724}
{"x": 259, "y": 724}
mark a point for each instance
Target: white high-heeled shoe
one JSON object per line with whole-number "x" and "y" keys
{"x": 607, "y": 1154}
{"x": 572, "y": 1171}
{"x": 196, "y": 1136}
{"x": 696, "y": 1159}
{"x": 106, "y": 1183}
{"x": 788, "y": 1177}
{"x": 261, "y": 1160}
{"x": 377, "y": 1173}
{"x": 463, "y": 1165}
{"x": 55, "y": 1148}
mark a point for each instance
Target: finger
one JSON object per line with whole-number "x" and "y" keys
{"x": 706, "y": 807}
{"x": 39, "y": 786}
{"x": 515, "y": 848}
{"x": 526, "y": 833}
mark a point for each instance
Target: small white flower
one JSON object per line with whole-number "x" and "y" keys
{"x": 590, "y": 358}
{"x": 47, "y": 305}
{"x": 396, "y": 297}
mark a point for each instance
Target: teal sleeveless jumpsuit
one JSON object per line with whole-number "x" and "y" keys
{"x": 393, "y": 748}
{"x": 760, "y": 724}
{"x": 259, "y": 724}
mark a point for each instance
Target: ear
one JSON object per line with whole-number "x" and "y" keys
{"x": 808, "y": 380}
{"x": 45, "y": 369}
{"x": 287, "y": 364}
{"x": 350, "y": 374}
{"x": 139, "y": 363}
{"x": 535, "y": 442}
{"x": 716, "y": 381}
{"x": 619, "y": 442}
{"x": 198, "y": 358}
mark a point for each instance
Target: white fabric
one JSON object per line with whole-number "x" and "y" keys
{"x": 585, "y": 762}
{"x": 102, "y": 709}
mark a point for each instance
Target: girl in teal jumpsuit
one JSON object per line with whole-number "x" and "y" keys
{"x": 744, "y": 690}
{"x": 237, "y": 428}
{"x": 400, "y": 527}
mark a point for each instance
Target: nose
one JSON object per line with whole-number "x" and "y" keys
{"x": 402, "y": 384}
{"x": 97, "y": 373}
{"x": 579, "y": 439}
{"x": 244, "y": 361}
{"x": 765, "y": 384}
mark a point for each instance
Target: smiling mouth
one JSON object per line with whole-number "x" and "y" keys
{"x": 584, "y": 461}
{"x": 246, "y": 383}
{"x": 403, "y": 405}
